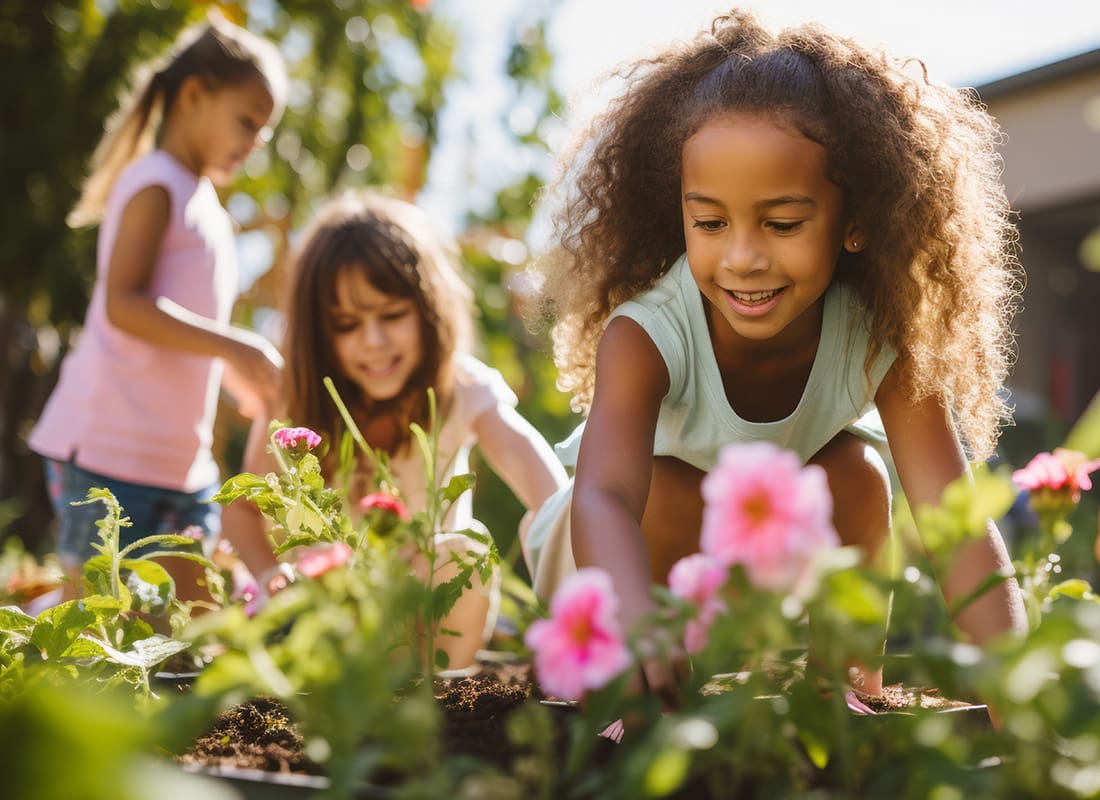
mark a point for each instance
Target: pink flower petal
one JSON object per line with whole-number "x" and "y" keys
{"x": 288, "y": 438}
{"x": 385, "y": 502}
{"x": 580, "y": 646}
{"x": 764, "y": 510}
{"x": 319, "y": 560}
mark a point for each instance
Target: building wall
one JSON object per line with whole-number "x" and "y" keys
{"x": 1052, "y": 176}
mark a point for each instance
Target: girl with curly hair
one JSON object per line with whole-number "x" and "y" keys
{"x": 783, "y": 237}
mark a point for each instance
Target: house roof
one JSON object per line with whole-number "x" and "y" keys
{"x": 1067, "y": 67}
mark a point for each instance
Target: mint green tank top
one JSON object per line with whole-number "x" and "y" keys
{"x": 695, "y": 419}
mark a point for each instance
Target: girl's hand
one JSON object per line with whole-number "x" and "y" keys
{"x": 663, "y": 673}
{"x": 258, "y": 366}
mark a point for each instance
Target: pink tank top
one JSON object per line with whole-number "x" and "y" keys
{"x": 126, "y": 408}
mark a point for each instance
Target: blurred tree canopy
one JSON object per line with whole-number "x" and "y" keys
{"x": 368, "y": 82}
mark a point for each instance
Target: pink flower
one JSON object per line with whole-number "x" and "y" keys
{"x": 1062, "y": 470}
{"x": 318, "y": 560}
{"x": 580, "y": 646}
{"x": 764, "y": 510}
{"x": 697, "y": 579}
{"x": 252, "y": 597}
{"x": 289, "y": 438}
{"x": 1054, "y": 481}
{"x": 385, "y": 502}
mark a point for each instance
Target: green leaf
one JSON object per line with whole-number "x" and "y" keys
{"x": 150, "y": 585}
{"x": 857, "y": 597}
{"x": 144, "y": 653}
{"x": 102, "y": 605}
{"x": 442, "y": 660}
{"x": 240, "y": 486}
{"x": 1085, "y": 434}
{"x": 1076, "y": 588}
{"x": 816, "y": 749}
{"x": 667, "y": 771}
{"x": 964, "y": 510}
{"x": 58, "y": 627}
{"x": 97, "y": 575}
{"x": 295, "y": 540}
{"x": 457, "y": 485}
{"x": 446, "y": 594}
{"x": 13, "y": 618}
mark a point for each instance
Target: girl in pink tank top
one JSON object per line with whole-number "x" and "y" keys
{"x": 133, "y": 410}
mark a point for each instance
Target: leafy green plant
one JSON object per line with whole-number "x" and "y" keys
{"x": 766, "y": 712}
{"x": 105, "y": 637}
{"x": 342, "y": 645}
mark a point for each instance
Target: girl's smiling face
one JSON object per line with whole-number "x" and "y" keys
{"x": 376, "y": 336}
{"x": 764, "y": 226}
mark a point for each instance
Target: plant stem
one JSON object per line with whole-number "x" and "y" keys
{"x": 381, "y": 468}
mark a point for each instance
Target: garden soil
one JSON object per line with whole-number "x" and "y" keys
{"x": 260, "y": 734}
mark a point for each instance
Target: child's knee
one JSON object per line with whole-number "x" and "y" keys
{"x": 673, "y": 514}
{"x": 860, "y": 485}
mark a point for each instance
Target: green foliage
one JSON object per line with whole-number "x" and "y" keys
{"x": 339, "y": 646}
{"x": 101, "y": 639}
{"x": 63, "y": 741}
{"x": 337, "y": 652}
{"x": 1084, "y": 436}
{"x": 778, "y": 724}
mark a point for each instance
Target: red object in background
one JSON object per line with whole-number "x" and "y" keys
{"x": 1060, "y": 388}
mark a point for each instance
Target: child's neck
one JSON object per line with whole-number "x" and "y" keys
{"x": 384, "y": 433}
{"x": 764, "y": 381}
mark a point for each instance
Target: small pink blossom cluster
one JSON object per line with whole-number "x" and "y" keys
{"x": 290, "y": 438}
{"x": 762, "y": 509}
{"x": 1054, "y": 482}
{"x": 580, "y": 646}
{"x": 385, "y": 502}
{"x": 697, "y": 579}
{"x": 1065, "y": 472}
{"x": 251, "y": 595}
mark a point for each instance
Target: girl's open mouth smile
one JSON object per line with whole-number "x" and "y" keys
{"x": 753, "y": 304}
{"x": 382, "y": 370}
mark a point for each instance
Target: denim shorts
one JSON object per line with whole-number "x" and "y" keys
{"x": 151, "y": 509}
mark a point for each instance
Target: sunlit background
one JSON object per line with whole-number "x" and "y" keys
{"x": 460, "y": 105}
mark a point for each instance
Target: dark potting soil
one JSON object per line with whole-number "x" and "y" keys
{"x": 259, "y": 733}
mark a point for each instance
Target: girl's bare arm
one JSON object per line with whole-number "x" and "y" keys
{"x": 615, "y": 463}
{"x": 520, "y": 455}
{"x": 131, "y": 308}
{"x": 928, "y": 456}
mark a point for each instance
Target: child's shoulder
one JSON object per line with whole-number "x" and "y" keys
{"x": 156, "y": 168}
{"x": 667, "y": 295}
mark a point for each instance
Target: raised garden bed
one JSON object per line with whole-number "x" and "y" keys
{"x": 256, "y": 747}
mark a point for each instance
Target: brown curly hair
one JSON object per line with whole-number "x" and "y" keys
{"x": 391, "y": 244}
{"x": 916, "y": 161}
